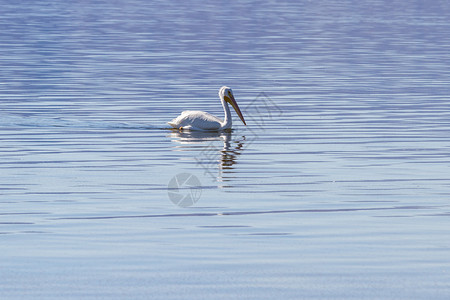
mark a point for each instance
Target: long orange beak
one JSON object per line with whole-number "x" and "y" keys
{"x": 236, "y": 108}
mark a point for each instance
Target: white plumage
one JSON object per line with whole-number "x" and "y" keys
{"x": 200, "y": 120}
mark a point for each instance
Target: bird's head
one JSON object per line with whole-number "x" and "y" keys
{"x": 227, "y": 94}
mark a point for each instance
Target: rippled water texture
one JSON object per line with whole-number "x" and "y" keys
{"x": 338, "y": 187}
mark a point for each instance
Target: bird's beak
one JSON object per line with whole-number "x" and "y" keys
{"x": 236, "y": 108}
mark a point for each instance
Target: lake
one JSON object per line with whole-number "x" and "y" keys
{"x": 337, "y": 188}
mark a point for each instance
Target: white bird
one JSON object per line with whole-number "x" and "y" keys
{"x": 200, "y": 120}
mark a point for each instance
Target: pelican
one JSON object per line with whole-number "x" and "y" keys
{"x": 200, "y": 120}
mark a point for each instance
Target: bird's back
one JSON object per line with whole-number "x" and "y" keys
{"x": 198, "y": 120}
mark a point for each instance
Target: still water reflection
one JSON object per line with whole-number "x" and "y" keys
{"x": 216, "y": 152}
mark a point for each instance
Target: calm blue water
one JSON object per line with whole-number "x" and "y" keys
{"x": 338, "y": 188}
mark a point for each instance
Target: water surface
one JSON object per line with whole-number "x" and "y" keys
{"x": 338, "y": 187}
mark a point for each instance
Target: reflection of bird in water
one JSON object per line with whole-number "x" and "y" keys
{"x": 210, "y": 155}
{"x": 229, "y": 153}
{"x": 190, "y": 138}
{"x": 203, "y": 121}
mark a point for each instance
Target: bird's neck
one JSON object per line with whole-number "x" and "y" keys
{"x": 227, "y": 119}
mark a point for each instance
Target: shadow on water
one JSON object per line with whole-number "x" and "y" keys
{"x": 214, "y": 151}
